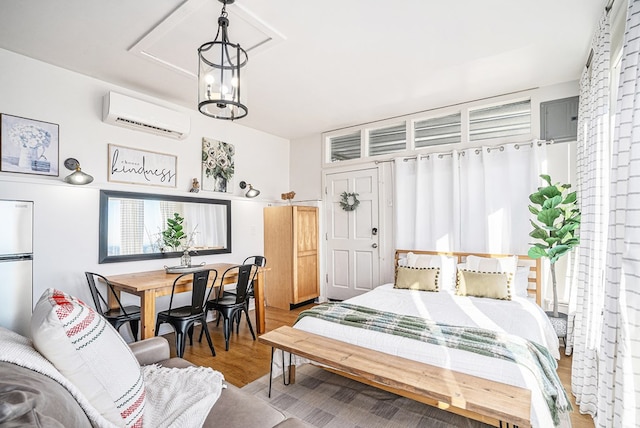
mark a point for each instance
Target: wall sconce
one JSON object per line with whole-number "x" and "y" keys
{"x": 251, "y": 193}
{"x": 77, "y": 176}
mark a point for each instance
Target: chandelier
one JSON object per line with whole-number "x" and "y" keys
{"x": 219, "y": 64}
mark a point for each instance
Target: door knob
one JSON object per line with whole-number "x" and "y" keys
{"x": 374, "y": 245}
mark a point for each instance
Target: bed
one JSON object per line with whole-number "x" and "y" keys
{"x": 520, "y": 316}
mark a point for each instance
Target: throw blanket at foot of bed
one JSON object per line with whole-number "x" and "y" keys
{"x": 489, "y": 343}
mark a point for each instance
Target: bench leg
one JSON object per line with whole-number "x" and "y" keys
{"x": 284, "y": 377}
{"x": 271, "y": 371}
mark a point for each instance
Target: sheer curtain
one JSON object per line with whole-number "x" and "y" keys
{"x": 472, "y": 200}
{"x": 619, "y": 368}
{"x": 592, "y": 170}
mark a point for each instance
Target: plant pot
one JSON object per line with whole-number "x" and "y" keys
{"x": 559, "y": 324}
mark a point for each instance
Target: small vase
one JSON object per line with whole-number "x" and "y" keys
{"x": 185, "y": 260}
{"x": 220, "y": 184}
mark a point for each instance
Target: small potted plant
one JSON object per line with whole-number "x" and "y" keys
{"x": 174, "y": 237}
{"x": 557, "y": 222}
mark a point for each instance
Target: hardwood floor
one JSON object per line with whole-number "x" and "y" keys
{"x": 247, "y": 360}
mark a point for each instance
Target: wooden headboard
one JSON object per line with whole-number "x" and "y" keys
{"x": 534, "y": 265}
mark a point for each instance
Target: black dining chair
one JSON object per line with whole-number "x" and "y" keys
{"x": 119, "y": 316}
{"x": 259, "y": 261}
{"x": 230, "y": 306}
{"x": 183, "y": 318}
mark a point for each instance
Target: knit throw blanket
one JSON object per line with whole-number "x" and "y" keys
{"x": 504, "y": 346}
{"x": 175, "y": 397}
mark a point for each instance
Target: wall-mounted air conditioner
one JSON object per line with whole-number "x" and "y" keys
{"x": 121, "y": 110}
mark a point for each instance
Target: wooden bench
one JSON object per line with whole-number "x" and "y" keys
{"x": 488, "y": 401}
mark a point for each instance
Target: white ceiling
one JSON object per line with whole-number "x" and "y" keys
{"x": 328, "y": 64}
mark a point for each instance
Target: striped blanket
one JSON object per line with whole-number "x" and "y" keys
{"x": 489, "y": 343}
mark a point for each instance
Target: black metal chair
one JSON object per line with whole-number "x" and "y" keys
{"x": 230, "y": 306}
{"x": 119, "y": 316}
{"x": 183, "y": 318}
{"x": 259, "y": 261}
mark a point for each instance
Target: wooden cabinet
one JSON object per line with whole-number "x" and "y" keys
{"x": 291, "y": 249}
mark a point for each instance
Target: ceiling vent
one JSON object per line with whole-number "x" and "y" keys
{"x": 120, "y": 110}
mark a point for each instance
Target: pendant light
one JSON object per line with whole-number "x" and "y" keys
{"x": 219, "y": 64}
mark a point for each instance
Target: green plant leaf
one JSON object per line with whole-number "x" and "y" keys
{"x": 536, "y": 252}
{"x": 550, "y": 191}
{"x": 539, "y": 234}
{"x": 548, "y": 216}
{"x": 552, "y": 202}
{"x": 571, "y": 198}
{"x": 546, "y": 178}
{"x": 533, "y": 210}
{"x": 551, "y": 241}
{"x": 537, "y": 198}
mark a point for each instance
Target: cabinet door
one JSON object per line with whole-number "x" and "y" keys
{"x": 306, "y": 254}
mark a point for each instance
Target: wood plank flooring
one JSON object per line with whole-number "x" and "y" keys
{"x": 248, "y": 360}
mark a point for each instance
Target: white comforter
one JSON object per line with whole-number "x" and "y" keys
{"x": 519, "y": 316}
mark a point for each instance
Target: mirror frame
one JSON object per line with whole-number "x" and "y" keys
{"x": 103, "y": 257}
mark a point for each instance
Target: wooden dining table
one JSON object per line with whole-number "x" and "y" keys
{"x": 152, "y": 284}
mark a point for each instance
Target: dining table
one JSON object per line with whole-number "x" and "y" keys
{"x": 149, "y": 285}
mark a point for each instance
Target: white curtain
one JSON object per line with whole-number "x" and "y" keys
{"x": 592, "y": 169}
{"x": 472, "y": 200}
{"x": 619, "y": 368}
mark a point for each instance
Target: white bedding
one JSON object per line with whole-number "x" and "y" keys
{"x": 519, "y": 316}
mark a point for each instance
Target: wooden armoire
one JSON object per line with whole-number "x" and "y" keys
{"x": 291, "y": 249}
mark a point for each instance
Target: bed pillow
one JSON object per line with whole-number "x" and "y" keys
{"x": 446, "y": 264}
{"x": 494, "y": 285}
{"x": 424, "y": 279}
{"x": 91, "y": 354}
{"x": 521, "y": 282}
{"x": 492, "y": 264}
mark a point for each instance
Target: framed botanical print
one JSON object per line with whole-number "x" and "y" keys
{"x": 217, "y": 165}
{"x": 28, "y": 146}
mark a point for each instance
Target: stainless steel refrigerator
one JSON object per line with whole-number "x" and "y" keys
{"x": 16, "y": 259}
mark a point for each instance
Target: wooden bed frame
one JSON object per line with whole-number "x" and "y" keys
{"x": 534, "y": 265}
{"x": 491, "y": 402}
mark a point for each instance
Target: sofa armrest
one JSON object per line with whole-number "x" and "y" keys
{"x": 150, "y": 351}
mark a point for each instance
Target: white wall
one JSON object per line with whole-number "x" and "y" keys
{"x": 66, "y": 216}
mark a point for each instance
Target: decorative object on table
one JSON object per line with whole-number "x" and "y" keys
{"x": 77, "y": 176}
{"x": 217, "y": 165}
{"x": 134, "y": 166}
{"x": 558, "y": 219}
{"x": 288, "y": 196}
{"x": 174, "y": 237}
{"x": 28, "y": 146}
{"x": 349, "y": 201}
{"x": 195, "y": 186}
{"x": 251, "y": 193}
{"x": 219, "y": 81}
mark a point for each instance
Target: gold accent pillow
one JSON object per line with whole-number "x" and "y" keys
{"x": 424, "y": 279}
{"x": 494, "y": 285}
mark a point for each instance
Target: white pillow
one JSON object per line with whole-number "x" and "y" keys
{"x": 447, "y": 265}
{"x": 91, "y": 354}
{"x": 492, "y": 264}
{"x": 521, "y": 281}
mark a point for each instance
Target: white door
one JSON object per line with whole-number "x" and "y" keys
{"x": 352, "y": 236}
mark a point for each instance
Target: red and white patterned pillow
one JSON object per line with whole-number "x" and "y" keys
{"x": 91, "y": 354}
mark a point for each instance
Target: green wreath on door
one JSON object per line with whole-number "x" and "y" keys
{"x": 349, "y": 201}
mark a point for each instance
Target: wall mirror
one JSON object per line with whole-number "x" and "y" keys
{"x": 131, "y": 225}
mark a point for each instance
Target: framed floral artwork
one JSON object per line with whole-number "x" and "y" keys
{"x": 28, "y": 146}
{"x": 217, "y": 165}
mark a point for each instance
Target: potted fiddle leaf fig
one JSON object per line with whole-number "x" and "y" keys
{"x": 555, "y": 230}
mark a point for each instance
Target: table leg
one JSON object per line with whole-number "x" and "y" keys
{"x": 258, "y": 294}
{"x": 111, "y": 299}
{"x": 148, "y": 314}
